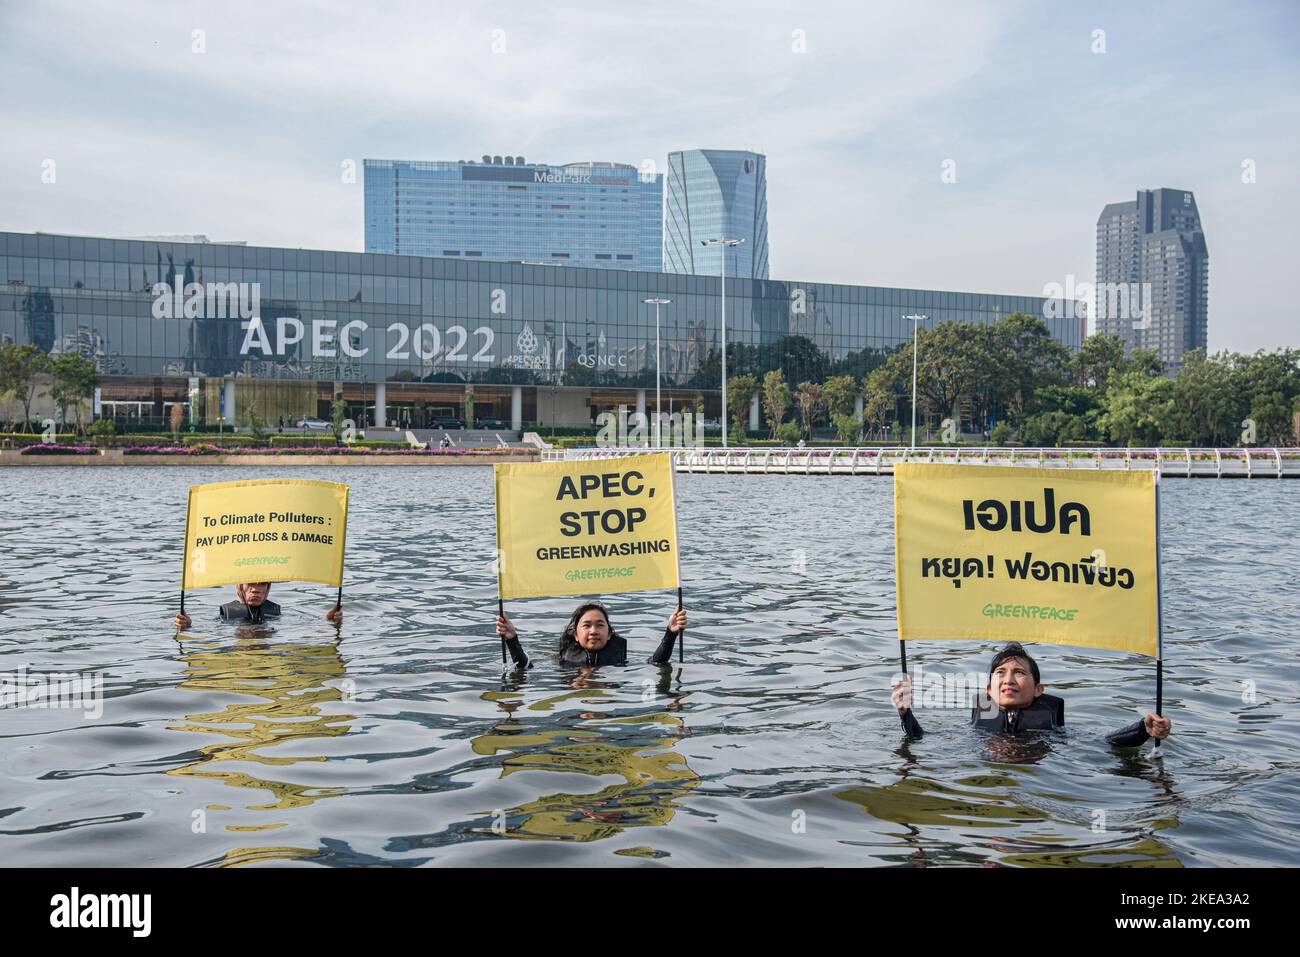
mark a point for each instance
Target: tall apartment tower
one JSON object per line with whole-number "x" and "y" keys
{"x": 713, "y": 194}
{"x": 1153, "y": 274}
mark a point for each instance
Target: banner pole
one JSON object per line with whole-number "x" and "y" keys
{"x": 1160, "y": 614}
{"x": 902, "y": 655}
{"x": 501, "y": 610}
{"x": 681, "y": 635}
{"x": 343, "y": 554}
{"x": 185, "y": 548}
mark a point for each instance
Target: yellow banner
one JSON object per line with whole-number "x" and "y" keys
{"x": 1007, "y": 553}
{"x": 268, "y": 530}
{"x": 579, "y": 528}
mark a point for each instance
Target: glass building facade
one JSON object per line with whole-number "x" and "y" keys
{"x": 713, "y": 194}
{"x": 599, "y": 215}
{"x": 403, "y": 338}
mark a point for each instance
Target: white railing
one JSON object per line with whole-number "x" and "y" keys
{"x": 868, "y": 460}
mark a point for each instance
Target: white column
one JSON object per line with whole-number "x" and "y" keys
{"x": 381, "y": 405}
{"x": 516, "y": 407}
{"x": 753, "y": 413}
{"x": 228, "y": 387}
{"x": 857, "y": 405}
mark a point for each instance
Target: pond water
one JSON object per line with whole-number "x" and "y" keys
{"x": 396, "y": 739}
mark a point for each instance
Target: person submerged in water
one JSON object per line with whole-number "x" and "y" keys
{"x": 1016, "y": 690}
{"x": 252, "y": 606}
{"x": 589, "y": 640}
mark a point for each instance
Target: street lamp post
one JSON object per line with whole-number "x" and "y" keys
{"x": 916, "y": 322}
{"x": 724, "y": 243}
{"x": 657, "y": 303}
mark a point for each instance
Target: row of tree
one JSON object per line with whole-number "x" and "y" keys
{"x": 23, "y": 370}
{"x": 1011, "y": 379}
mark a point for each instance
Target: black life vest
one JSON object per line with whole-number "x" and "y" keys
{"x": 239, "y": 612}
{"x": 1047, "y": 712}
{"x": 614, "y": 653}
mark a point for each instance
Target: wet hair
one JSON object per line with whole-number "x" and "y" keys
{"x": 571, "y": 629}
{"x": 1014, "y": 650}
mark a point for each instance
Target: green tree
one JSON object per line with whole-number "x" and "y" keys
{"x": 1024, "y": 358}
{"x": 253, "y": 421}
{"x": 20, "y": 368}
{"x": 776, "y": 399}
{"x": 810, "y": 400}
{"x": 1207, "y": 407}
{"x": 841, "y": 393}
{"x": 740, "y": 392}
{"x": 1099, "y": 357}
{"x": 879, "y": 400}
{"x": 848, "y": 428}
{"x": 789, "y": 433}
{"x": 338, "y": 416}
{"x": 1000, "y": 434}
{"x": 1138, "y": 407}
{"x": 72, "y": 381}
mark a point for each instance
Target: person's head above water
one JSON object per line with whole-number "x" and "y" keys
{"x": 589, "y": 626}
{"x": 1013, "y": 678}
{"x": 253, "y": 593}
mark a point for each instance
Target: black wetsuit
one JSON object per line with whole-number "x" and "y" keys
{"x": 614, "y": 652}
{"x": 1046, "y": 713}
{"x": 237, "y": 611}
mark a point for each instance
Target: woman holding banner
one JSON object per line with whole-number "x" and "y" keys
{"x": 1014, "y": 701}
{"x": 589, "y": 640}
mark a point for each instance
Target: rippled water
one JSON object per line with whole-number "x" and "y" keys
{"x": 398, "y": 741}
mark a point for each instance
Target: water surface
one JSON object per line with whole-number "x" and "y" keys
{"x": 397, "y": 740}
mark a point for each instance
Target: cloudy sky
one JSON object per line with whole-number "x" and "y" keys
{"x": 1047, "y": 111}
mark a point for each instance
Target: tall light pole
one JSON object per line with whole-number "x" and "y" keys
{"x": 657, "y": 303}
{"x": 725, "y": 244}
{"x": 916, "y": 322}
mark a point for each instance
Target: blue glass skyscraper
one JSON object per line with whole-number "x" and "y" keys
{"x": 604, "y": 215}
{"x": 713, "y": 194}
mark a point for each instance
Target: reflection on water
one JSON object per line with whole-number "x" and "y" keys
{"x": 635, "y": 748}
{"x": 395, "y": 740}
{"x": 288, "y": 683}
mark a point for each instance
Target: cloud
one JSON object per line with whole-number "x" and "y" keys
{"x": 245, "y": 139}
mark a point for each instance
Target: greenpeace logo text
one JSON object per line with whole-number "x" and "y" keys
{"x": 103, "y": 910}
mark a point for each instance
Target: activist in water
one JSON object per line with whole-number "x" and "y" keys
{"x": 251, "y": 606}
{"x": 1016, "y": 689}
{"x": 590, "y": 640}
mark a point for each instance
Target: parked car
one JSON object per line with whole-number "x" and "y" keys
{"x": 492, "y": 425}
{"x": 314, "y": 425}
{"x": 448, "y": 422}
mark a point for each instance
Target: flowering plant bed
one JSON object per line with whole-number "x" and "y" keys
{"x": 44, "y": 449}
{"x": 327, "y": 450}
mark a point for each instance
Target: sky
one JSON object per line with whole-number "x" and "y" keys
{"x": 238, "y": 120}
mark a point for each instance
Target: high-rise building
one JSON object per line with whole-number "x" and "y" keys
{"x": 714, "y": 194}
{"x": 1153, "y": 274}
{"x": 581, "y": 214}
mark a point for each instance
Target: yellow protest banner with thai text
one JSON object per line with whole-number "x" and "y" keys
{"x": 579, "y": 528}
{"x": 265, "y": 530}
{"x": 1027, "y": 554}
